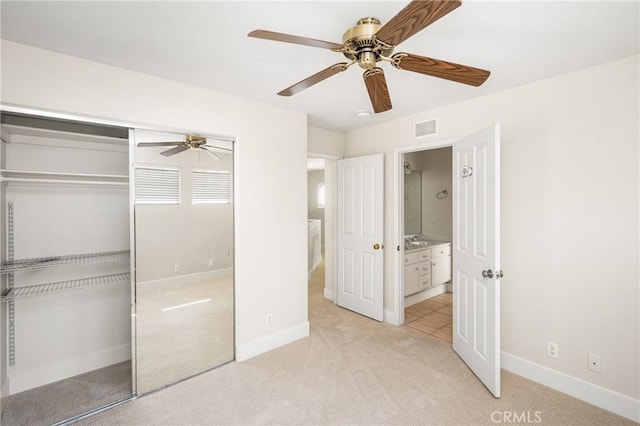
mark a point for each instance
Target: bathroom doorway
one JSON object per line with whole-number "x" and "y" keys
{"x": 426, "y": 241}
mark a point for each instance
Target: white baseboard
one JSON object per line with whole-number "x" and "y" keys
{"x": 596, "y": 395}
{"x": 424, "y": 295}
{"x": 22, "y": 380}
{"x": 271, "y": 341}
{"x": 4, "y": 389}
{"x": 328, "y": 293}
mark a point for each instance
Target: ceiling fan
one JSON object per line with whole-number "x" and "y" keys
{"x": 189, "y": 142}
{"x": 369, "y": 42}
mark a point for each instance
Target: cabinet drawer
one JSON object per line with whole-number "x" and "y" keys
{"x": 441, "y": 251}
{"x": 411, "y": 258}
{"x": 425, "y": 255}
{"x": 425, "y": 282}
{"x": 425, "y": 268}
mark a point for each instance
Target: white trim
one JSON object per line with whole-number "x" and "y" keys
{"x": 105, "y": 122}
{"x": 398, "y": 215}
{"x": 391, "y": 317}
{"x": 426, "y": 294}
{"x": 325, "y": 156}
{"x": 19, "y": 381}
{"x": 272, "y": 341}
{"x": 328, "y": 293}
{"x": 588, "y": 392}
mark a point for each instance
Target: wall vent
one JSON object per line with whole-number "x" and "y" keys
{"x": 425, "y": 128}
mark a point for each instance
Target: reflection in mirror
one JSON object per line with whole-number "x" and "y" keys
{"x": 412, "y": 202}
{"x": 184, "y": 258}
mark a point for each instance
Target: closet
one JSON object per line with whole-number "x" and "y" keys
{"x": 66, "y": 288}
{"x": 117, "y": 273}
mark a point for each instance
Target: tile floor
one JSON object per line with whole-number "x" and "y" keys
{"x": 432, "y": 316}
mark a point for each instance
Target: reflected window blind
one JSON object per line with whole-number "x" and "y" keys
{"x": 211, "y": 187}
{"x": 157, "y": 185}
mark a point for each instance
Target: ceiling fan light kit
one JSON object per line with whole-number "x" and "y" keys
{"x": 370, "y": 42}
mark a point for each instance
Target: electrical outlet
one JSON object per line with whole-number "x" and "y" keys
{"x": 210, "y": 262}
{"x": 176, "y": 268}
{"x": 269, "y": 319}
{"x": 552, "y": 350}
{"x": 594, "y": 362}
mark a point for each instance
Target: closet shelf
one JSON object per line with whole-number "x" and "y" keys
{"x": 53, "y": 261}
{"x": 41, "y": 289}
{"x": 64, "y": 178}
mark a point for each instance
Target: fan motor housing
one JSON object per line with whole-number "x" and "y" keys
{"x": 360, "y": 42}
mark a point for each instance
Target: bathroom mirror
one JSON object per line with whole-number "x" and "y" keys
{"x": 184, "y": 258}
{"x": 412, "y": 202}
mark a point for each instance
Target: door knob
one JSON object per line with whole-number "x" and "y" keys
{"x": 376, "y": 246}
{"x": 488, "y": 273}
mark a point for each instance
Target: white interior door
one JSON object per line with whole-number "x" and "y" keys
{"x": 360, "y": 230}
{"x": 476, "y": 254}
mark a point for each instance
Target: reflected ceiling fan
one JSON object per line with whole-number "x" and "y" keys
{"x": 189, "y": 142}
{"x": 369, "y": 42}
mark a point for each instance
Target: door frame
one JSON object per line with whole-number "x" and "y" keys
{"x": 398, "y": 221}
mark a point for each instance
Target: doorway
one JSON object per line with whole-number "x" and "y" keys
{"x": 474, "y": 252}
{"x": 321, "y": 206}
{"x": 427, "y": 236}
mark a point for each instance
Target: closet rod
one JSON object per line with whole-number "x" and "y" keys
{"x": 64, "y": 181}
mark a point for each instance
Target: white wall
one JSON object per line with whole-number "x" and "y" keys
{"x": 323, "y": 141}
{"x": 268, "y": 139}
{"x": 569, "y": 215}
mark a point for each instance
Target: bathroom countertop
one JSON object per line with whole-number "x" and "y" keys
{"x": 431, "y": 244}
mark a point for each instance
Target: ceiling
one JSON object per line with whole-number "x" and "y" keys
{"x": 205, "y": 44}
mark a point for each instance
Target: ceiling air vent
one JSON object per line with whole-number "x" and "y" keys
{"x": 425, "y": 128}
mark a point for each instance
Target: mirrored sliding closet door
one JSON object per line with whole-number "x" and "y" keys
{"x": 182, "y": 196}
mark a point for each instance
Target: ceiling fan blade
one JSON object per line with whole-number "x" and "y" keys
{"x": 416, "y": 16}
{"x": 439, "y": 68}
{"x": 316, "y": 78}
{"x": 288, "y": 38}
{"x": 211, "y": 153}
{"x": 174, "y": 151}
{"x": 143, "y": 144}
{"x": 377, "y": 88}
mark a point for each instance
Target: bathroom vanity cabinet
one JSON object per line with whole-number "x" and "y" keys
{"x": 426, "y": 267}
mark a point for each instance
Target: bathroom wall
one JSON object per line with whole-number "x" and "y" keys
{"x": 435, "y": 168}
{"x": 436, "y": 176}
{"x": 314, "y": 178}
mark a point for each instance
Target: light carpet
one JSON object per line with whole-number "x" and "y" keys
{"x": 353, "y": 370}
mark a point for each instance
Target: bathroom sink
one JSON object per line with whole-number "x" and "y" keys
{"x": 419, "y": 243}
